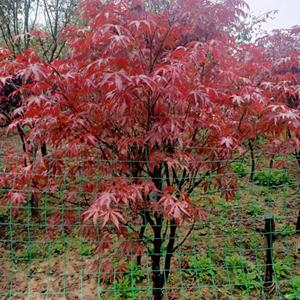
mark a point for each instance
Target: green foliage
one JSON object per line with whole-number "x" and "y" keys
{"x": 240, "y": 169}
{"x": 58, "y": 247}
{"x": 125, "y": 285}
{"x": 203, "y": 268}
{"x": 272, "y": 178}
{"x": 123, "y": 288}
{"x": 267, "y": 195}
{"x": 293, "y": 291}
{"x": 242, "y": 272}
{"x": 255, "y": 210}
{"x": 86, "y": 250}
{"x": 235, "y": 261}
{"x": 33, "y": 251}
{"x": 282, "y": 268}
{"x": 135, "y": 272}
{"x": 287, "y": 230}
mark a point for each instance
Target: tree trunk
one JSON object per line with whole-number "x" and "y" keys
{"x": 160, "y": 278}
{"x": 298, "y": 224}
{"x": 272, "y": 161}
{"x": 44, "y": 149}
{"x": 22, "y": 137}
{"x": 156, "y": 257}
{"x": 297, "y": 155}
{"x": 252, "y": 160}
{"x": 34, "y": 206}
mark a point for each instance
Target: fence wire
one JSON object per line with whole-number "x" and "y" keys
{"x": 224, "y": 257}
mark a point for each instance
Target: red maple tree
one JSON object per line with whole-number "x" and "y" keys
{"x": 149, "y": 102}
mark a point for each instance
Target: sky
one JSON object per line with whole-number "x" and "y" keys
{"x": 288, "y": 12}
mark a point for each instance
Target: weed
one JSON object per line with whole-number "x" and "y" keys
{"x": 58, "y": 247}
{"x": 240, "y": 169}
{"x": 286, "y": 230}
{"x": 293, "y": 291}
{"x": 33, "y": 251}
{"x": 242, "y": 272}
{"x": 203, "y": 268}
{"x": 86, "y": 250}
{"x": 272, "y": 178}
{"x": 125, "y": 285}
{"x": 282, "y": 268}
{"x": 3, "y": 211}
{"x": 255, "y": 210}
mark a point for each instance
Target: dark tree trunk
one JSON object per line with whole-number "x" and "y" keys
{"x": 160, "y": 273}
{"x": 22, "y": 137}
{"x": 298, "y": 224}
{"x": 252, "y": 160}
{"x": 297, "y": 155}
{"x": 160, "y": 277}
{"x": 272, "y": 161}
{"x": 34, "y": 206}
{"x": 44, "y": 149}
{"x": 156, "y": 258}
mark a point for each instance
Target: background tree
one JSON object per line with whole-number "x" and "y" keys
{"x": 37, "y": 23}
{"x": 282, "y": 52}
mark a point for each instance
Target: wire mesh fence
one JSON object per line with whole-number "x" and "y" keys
{"x": 246, "y": 246}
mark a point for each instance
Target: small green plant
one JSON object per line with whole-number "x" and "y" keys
{"x": 33, "y": 251}
{"x": 264, "y": 191}
{"x": 235, "y": 262}
{"x": 240, "y": 169}
{"x": 123, "y": 287}
{"x": 57, "y": 247}
{"x": 272, "y": 178}
{"x": 293, "y": 291}
{"x": 203, "y": 268}
{"x": 269, "y": 199}
{"x": 267, "y": 195}
{"x": 242, "y": 272}
{"x": 286, "y": 230}
{"x": 135, "y": 272}
{"x": 282, "y": 269}
{"x": 245, "y": 280}
{"x": 255, "y": 210}
{"x": 129, "y": 280}
{"x": 86, "y": 250}
{"x": 230, "y": 230}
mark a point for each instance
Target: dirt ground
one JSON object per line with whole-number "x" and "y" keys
{"x": 55, "y": 279}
